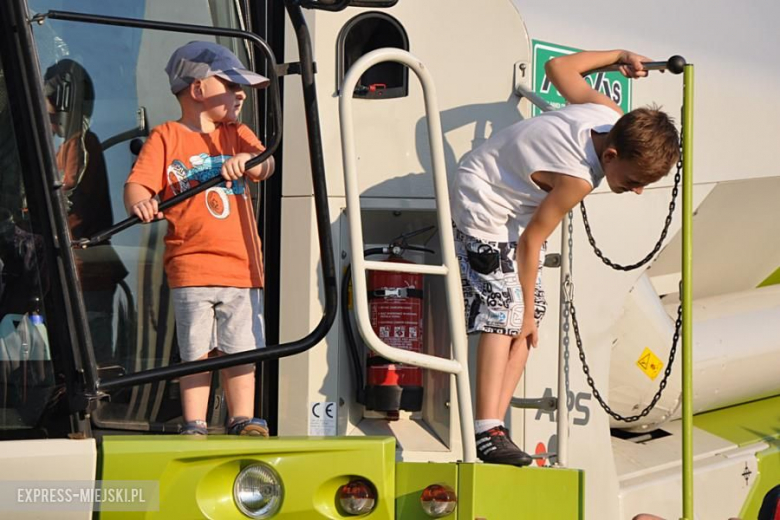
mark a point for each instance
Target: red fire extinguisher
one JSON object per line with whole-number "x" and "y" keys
{"x": 396, "y": 311}
{"x": 396, "y": 307}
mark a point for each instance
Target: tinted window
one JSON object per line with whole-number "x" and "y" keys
{"x": 26, "y": 372}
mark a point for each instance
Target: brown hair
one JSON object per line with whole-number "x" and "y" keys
{"x": 647, "y": 137}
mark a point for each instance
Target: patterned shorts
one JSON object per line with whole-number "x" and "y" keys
{"x": 492, "y": 294}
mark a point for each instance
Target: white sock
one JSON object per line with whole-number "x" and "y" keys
{"x": 483, "y": 425}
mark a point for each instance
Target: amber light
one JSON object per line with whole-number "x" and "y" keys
{"x": 438, "y": 500}
{"x": 357, "y": 497}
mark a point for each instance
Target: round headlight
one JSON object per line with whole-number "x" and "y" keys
{"x": 258, "y": 491}
{"x": 438, "y": 501}
{"x": 357, "y": 498}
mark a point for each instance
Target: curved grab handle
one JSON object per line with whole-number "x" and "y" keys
{"x": 450, "y": 270}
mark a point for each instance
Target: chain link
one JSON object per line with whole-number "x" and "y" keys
{"x": 567, "y": 314}
{"x": 597, "y": 394}
{"x": 664, "y": 231}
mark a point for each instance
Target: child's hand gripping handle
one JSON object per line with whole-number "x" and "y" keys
{"x": 675, "y": 65}
{"x": 131, "y": 221}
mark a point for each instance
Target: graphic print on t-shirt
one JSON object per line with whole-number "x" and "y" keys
{"x": 204, "y": 168}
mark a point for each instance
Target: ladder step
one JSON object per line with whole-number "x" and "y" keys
{"x": 372, "y": 265}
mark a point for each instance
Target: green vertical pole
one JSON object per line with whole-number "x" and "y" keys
{"x": 687, "y": 294}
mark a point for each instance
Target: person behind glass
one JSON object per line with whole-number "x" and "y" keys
{"x": 508, "y": 196}
{"x": 212, "y": 249}
{"x": 70, "y": 99}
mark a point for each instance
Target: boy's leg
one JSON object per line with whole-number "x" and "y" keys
{"x": 195, "y": 395}
{"x": 493, "y": 367}
{"x": 492, "y": 355}
{"x": 239, "y": 384}
{"x": 194, "y": 328}
{"x": 488, "y": 279}
{"x": 518, "y": 356}
{"x": 240, "y": 328}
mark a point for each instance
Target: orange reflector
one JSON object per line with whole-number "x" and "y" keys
{"x": 357, "y": 498}
{"x": 438, "y": 500}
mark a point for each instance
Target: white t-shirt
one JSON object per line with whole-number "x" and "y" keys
{"x": 493, "y": 196}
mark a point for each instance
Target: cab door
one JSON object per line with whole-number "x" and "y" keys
{"x": 104, "y": 88}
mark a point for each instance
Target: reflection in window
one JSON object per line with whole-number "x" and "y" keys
{"x": 26, "y": 372}
{"x": 70, "y": 98}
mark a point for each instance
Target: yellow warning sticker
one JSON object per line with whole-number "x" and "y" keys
{"x": 649, "y": 363}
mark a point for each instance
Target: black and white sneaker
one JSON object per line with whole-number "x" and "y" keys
{"x": 495, "y": 447}
{"x": 506, "y": 432}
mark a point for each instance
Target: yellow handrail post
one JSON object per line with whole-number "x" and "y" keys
{"x": 687, "y": 294}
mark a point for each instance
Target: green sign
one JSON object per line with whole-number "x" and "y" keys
{"x": 612, "y": 84}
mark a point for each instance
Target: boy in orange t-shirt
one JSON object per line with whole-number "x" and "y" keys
{"x": 212, "y": 249}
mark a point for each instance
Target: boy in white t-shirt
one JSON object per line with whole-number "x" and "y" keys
{"x": 512, "y": 192}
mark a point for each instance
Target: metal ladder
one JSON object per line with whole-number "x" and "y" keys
{"x": 458, "y": 365}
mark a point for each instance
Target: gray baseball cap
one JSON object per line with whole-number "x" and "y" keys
{"x": 201, "y": 60}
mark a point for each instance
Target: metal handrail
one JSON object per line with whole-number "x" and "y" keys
{"x": 534, "y": 98}
{"x": 450, "y": 270}
{"x": 687, "y": 295}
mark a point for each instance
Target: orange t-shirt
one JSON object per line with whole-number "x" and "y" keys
{"x": 212, "y": 237}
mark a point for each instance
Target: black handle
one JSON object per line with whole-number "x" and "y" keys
{"x": 675, "y": 65}
{"x": 131, "y": 221}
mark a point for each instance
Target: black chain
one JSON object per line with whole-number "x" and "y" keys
{"x": 619, "y": 267}
{"x": 569, "y": 290}
{"x": 597, "y": 394}
{"x": 664, "y": 231}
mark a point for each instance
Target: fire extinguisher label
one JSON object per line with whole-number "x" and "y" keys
{"x": 398, "y": 321}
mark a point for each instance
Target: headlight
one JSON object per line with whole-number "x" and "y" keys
{"x": 258, "y": 491}
{"x": 357, "y": 498}
{"x": 438, "y": 501}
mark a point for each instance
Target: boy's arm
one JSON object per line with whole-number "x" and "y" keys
{"x": 263, "y": 170}
{"x": 140, "y": 201}
{"x": 249, "y": 146}
{"x": 565, "y": 72}
{"x": 235, "y": 167}
{"x": 565, "y": 194}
